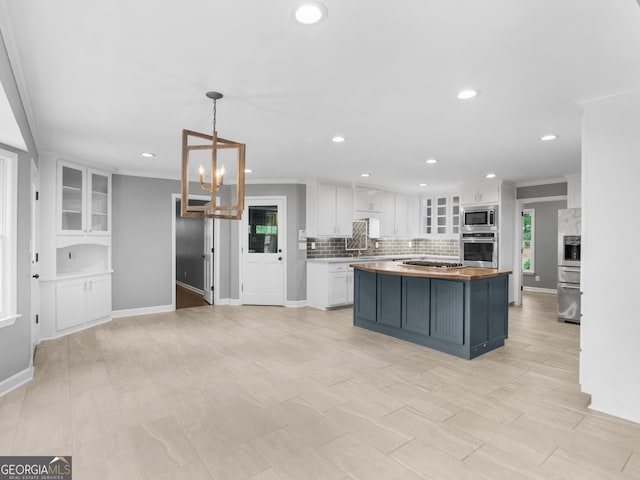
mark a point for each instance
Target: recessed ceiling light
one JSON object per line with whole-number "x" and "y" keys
{"x": 148, "y": 154}
{"x": 467, "y": 94}
{"x": 549, "y": 137}
{"x": 365, "y": 174}
{"x": 338, "y": 139}
{"x": 309, "y": 13}
{"x": 248, "y": 170}
{"x": 423, "y": 185}
{"x": 431, "y": 161}
{"x": 490, "y": 175}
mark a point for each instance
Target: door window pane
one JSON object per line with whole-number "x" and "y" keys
{"x": 263, "y": 229}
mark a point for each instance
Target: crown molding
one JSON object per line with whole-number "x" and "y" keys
{"x": 604, "y": 97}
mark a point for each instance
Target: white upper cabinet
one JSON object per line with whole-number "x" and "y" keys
{"x": 413, "y": 215}
{"x": 400, "y": 215}
{"x": 344, "y": 211}
{"x": 400, "y": 209}
{"x": 484, "y": 194}
{"x": 387, "y": 222}
{"x": 441, "y": 215}
{"x": 367, "y": 200}
{"x": 84, "y": 200}
{"x": 329, "y": 210}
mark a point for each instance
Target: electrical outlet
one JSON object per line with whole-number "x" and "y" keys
{"x": 410, "y": 244}
{"x": 313, "y": 245}
{"x": 377, "y": 245}
{"x": 185, "y": 274}
{"x": 537, "y": 278}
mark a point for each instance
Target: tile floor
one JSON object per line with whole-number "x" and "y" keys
{"x": 272, "y": 393}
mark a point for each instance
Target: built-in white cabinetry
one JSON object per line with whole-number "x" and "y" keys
{"x": 81, "y": 301}
{"x": 367, "y": 200}
{"x": 441, "y": 215}
{"x": 329, "y": 284}
{"x": 83, "y": 200}
{"x": 413, "y": 215}
{"x": 329, "y": 210}
{"x": 481, "y": 194}
{"x": 75, "y": 282}
{"x": 387, "y": 222}
{"x": 400, "y": 215}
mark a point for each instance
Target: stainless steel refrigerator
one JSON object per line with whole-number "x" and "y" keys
{"x": 569, "y": 248}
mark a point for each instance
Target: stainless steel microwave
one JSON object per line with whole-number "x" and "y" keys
{"x": 479, "y": 218}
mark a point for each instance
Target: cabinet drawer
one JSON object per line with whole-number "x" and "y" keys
{"x": 341, "y": 267}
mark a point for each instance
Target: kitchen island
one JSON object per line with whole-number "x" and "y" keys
{"x": 461, "y": 311}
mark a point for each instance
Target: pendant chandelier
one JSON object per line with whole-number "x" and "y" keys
{"x": 204, "y": 142}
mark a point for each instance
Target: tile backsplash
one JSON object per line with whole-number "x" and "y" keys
{"x": 335, "y": 247}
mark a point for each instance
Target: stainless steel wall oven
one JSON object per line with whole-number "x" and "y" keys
{"x": 479, "y": 249}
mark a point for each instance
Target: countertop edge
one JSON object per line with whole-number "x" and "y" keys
{"x": 392, "y": 268}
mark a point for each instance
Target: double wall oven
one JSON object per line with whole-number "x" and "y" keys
{"x": 479, "y": 237}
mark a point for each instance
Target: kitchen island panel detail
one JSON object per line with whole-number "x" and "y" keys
{"x": 415, "y": 304}
{"x": 447, "y": 311}
{"x": 365, "y": 292}
{"x": 388, "y": 299}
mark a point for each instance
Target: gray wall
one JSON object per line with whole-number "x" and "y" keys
{"x": 141, "y": 241}
{"x": 189, "y": 249}
{"x": 548, "y": 190}
{"x": 546, "y": 244}
{"x": 15, "y": 341}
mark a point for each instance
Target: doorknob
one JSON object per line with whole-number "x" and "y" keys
{"x": 36, "y": 276}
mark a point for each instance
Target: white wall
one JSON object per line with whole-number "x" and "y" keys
{"x": 610, "y": 329}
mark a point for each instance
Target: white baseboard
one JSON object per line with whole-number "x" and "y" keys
{"x": 132, "y": 312}
{"x": 228, "y": 301}
{"x": 16, "y": 380}
{"x": 541, "y": 290}
{"x": 189, "y": 287}
{"x": 76, "y": 329}
{"x": 295, "y": 303}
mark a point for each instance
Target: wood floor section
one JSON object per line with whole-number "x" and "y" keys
{"x": 227, "y": 392}
{"x": 186, "y": 298}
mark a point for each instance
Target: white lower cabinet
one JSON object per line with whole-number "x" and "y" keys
{"x": 80, "y": 301}
{"x": 329, "y": 284}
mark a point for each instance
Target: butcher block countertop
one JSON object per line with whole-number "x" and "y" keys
{"x": 462, "y": 273}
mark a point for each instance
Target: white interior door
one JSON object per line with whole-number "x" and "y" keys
{"x": 263, "y": 251}
{"x": 207, "y": 255}
{"x": 35, "y": 260}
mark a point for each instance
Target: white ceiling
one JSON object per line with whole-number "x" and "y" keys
{"x": 105, "y": 81}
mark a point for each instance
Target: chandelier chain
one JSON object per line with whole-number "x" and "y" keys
{"x": 214, "y": 114}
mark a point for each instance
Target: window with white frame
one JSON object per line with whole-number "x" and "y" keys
{"x": 528, "y": 240}
{"x": 8, "y": 239}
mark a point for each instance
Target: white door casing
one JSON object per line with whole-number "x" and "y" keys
{"x": 263, "y": 251}
{"x": 175, "y": 198}
{"x": 207, "y": 255}
{"x": 35, "y": 260}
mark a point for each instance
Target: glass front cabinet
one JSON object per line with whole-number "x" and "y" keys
{"x": 84, "y": 200}
{"x": 441, "y": 215}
